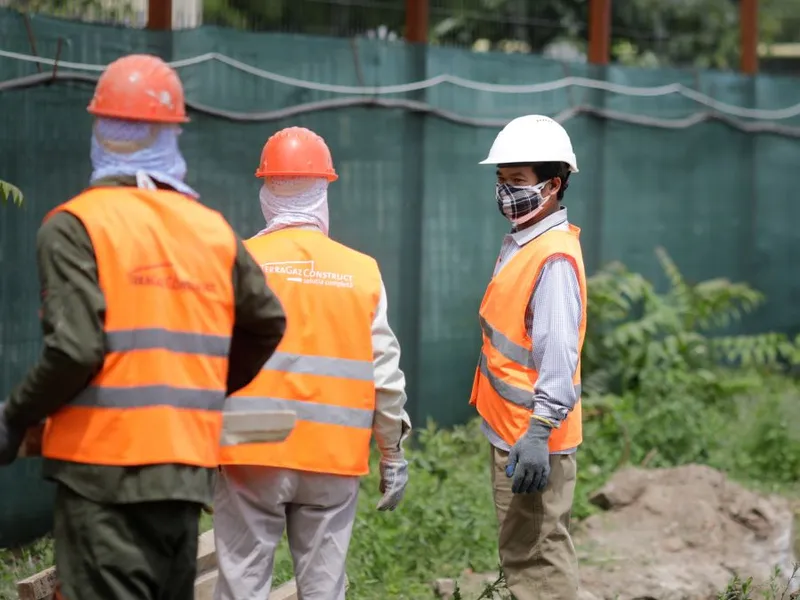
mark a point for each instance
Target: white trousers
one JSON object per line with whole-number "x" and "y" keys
{"x": 251, "y": 508}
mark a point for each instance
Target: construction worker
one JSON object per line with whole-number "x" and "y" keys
{"x": 152, "y": 312}
{"x": 527, "y": 384}
{"x": 337, "y": 368}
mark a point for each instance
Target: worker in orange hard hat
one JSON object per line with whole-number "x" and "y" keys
{"x": 153, "y": 312}
{"x": 337, "y": 368}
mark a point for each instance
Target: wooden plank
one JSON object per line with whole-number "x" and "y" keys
{"x": 41, "y": 585}
{"x": 206, "y": 553}
{"x": 204, "y": 586}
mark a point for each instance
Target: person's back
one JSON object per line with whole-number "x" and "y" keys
{"x": 153, "y": 311}
{"x": 164, "y": 265}
{"x": 323, "y": 368}
{"x": 337, "y": 368}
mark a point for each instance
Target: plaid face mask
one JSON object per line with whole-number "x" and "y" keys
{"x": 516, "y": 203}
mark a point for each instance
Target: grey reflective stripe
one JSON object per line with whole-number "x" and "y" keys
{"x": 126, "y": 340}
{"x": 515, "y": 395}
{"x": 345, "y": 368}
{"x": 306, "y": 411}
{"x": 149, "y": 395}
{"x": 512, "y": 351}
{"x": 511, "y": 393}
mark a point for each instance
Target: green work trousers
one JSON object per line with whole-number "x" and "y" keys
{"x": 144, "y": 551}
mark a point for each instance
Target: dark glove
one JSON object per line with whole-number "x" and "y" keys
{"x": 529, "y": 459}
{"x": 10, "y": 439}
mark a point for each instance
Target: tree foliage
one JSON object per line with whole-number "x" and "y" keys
{"x": 700, "y": 33}
{"x": 117, "y": 11}
{"x": 665, "y": 383}
{"x": 637, "y": 336}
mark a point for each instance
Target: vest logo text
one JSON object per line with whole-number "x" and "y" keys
{"x": 164, "y": 276}
{"x": 303, "y": 271}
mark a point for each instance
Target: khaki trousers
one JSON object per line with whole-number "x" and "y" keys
{"x": 536, "y": 550}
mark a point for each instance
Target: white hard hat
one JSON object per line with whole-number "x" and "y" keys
{"x": 532, "y": 139}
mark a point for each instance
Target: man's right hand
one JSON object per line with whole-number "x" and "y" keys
{"x": 394, "y": 479}
{"x": 10, "y": 439}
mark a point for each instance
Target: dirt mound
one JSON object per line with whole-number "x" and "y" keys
{"x": 680, "y": 534}
{"x": 671, "y": 534}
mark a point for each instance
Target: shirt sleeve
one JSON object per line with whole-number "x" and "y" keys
{"x": 72, "y": 317}
{"x": 259, "y": 321}
{"x": 557, "y": 314}
{"x": 391, "y": 424}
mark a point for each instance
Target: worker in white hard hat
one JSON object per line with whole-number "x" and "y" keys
{"x": 527, "y": 384}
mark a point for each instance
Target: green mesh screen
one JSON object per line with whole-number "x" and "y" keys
{"x": 410, "y": 192}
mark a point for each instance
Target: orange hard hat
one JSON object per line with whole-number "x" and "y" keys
{"x": 139, "y": 87}
{"x": 296, "y": 152}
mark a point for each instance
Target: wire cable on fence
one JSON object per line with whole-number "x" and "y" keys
{"x": 365, "y": 96}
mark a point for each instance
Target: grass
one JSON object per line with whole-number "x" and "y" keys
{"x": 445, "y": 525}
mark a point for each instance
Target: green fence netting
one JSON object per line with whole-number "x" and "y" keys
{"x": 720, "y": 200}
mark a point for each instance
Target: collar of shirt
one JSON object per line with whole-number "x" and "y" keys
{"x": 524, "y": 236}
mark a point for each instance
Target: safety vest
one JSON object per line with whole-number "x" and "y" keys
{"x": 323, "y": 368}
{"x": 165, "y": 265}
{"x": 505, "y": 378}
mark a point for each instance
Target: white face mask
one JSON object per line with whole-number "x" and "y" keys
{"x": 285, "y": 203}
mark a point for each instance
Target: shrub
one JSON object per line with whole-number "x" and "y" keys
{"x": 661, "y": 389}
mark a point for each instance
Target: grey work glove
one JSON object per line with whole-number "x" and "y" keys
{"x": 529, "y": 459}
{"x": 394, "y": 479}
{"x": 10, "y": 439}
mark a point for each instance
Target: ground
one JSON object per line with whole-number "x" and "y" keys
{"x": 662, "y": 534}
{"x": 674, "y": 534}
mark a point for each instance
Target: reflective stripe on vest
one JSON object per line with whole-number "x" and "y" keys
{"x": 519, "y": 396}
{"x": 159, "y": 396}
{"x": 323, "y": 369}
{"x": 505, "y": 378}
{"x": 360, "y": 370}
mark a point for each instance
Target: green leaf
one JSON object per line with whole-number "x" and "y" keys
{"x": 10, "y": 192}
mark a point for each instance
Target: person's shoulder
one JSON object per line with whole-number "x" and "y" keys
{"x": 61, "y": 225}
{"x": 356, "y": 256}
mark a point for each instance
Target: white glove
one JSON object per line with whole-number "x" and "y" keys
{"x": 394, "y": 479}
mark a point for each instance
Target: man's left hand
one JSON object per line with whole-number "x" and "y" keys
{"x": 10, "y": 439}
{"x": 529, "y": 459}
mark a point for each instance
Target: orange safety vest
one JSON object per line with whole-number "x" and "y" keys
{"x": 323, "y": 367}
{"x": 505, "y": 378}
{"x": 165, "y": 264}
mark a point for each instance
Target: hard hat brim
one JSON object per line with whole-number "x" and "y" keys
{"x": 492, "y": 161}
{"x": 331, "y": 177}
{"x": 113, "y": 114}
